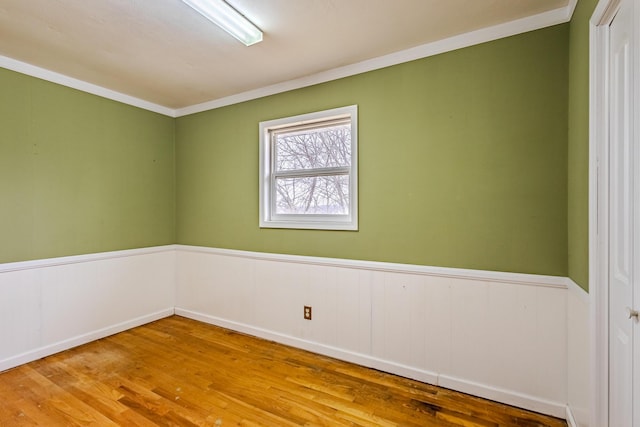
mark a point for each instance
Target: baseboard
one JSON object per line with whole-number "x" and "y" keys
{"x": 48, "y": 350}
{"x": 571, "y": 420}
{"x": 509, "y": 397}
{"x": 314, "y": 347}
{"x": 506, "y": 396}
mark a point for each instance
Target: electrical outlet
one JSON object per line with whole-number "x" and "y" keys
{"x": 307, "y": 312}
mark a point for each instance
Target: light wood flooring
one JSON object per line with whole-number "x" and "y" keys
{"x": 179, "y": 372}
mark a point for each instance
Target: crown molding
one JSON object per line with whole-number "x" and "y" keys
{"x": 519, "y": 26}
{"x": 524, "y": 25}
{"x": 61, "y": 79}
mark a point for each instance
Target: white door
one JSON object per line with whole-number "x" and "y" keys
{"x": 624, "y": 225}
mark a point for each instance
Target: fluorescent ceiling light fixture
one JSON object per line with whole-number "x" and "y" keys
{"x": 227, "y": 18}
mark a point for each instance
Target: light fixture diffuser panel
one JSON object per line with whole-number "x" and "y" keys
{"x": 226, "y": 17}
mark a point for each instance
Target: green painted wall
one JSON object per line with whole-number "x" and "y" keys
{"x": 79, "y": 173}
{"x": 578, "y": 172}
{"x": 463, "y": 162}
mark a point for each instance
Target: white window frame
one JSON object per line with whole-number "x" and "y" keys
{"x": 268, "y": 217}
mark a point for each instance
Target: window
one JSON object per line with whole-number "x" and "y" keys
{"x": 308, "y": 171}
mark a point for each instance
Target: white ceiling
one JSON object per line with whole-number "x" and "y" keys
{"x": 163, "y": 52}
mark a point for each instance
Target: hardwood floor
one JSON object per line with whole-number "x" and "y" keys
{"x": 181, "y": 372}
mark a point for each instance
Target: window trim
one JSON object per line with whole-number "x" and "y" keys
{"x": 268, "y": 218}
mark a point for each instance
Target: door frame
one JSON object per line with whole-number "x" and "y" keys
{"x": 602, "y": 17}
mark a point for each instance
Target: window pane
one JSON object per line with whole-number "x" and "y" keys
{"x": 313, "y": 195}
{"x": 324, "y": 147}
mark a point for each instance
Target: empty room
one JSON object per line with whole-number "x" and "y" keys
{"x": 319, "y": 212}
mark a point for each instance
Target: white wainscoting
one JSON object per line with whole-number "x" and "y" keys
{"x": 578, "y": 362}
{"x": 501, "y": 336}
{"x": 54, "y": 304}
{"x": 515, "y": 338}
